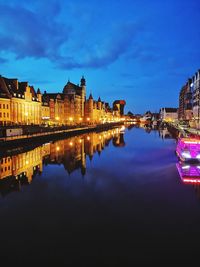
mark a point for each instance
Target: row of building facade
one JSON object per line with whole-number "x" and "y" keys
{"x": 21, "y": 104}
{"x": 189, "y": 101}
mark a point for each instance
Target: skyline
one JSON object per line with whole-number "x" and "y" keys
{"x": 129, "y": 54}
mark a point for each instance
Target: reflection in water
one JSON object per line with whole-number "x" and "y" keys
{"x": 18, "y": 170}
{"x": 189, "y": 173}
{"x": 165, "y": 134}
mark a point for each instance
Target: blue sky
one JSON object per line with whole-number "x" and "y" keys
{"x": 141, "y": 51}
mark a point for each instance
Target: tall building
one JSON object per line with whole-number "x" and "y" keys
{"x": 19, "y": 103}
{"x": 196, "y": 97}
{"x": 168, "y": 114}
{"x": 185, "y": 102}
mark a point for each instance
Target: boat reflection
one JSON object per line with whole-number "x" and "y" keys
{"x": 189, "y": 173}
{"x": 20, "y": 169}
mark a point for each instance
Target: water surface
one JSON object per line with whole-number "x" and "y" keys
{"x": 109, "y": 198}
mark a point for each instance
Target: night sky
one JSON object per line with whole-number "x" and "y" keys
{"x": 142, "y": 51}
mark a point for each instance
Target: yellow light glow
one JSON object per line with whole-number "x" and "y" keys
{"x": 88, "y": 138}
{"x": 71, "y": 143}
{"x": 71, "y": 119}
{"x": 57, "y": 148}
{"x": 88, "y": 119}
{"x": 57, "y": 118}
{"x": 80, "y": 119}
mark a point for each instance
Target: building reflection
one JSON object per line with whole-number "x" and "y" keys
{"x": 165, "y": 134}
{"x": 18, "y": 170}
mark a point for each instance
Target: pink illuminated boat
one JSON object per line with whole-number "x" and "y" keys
{"x": 189, "y": 173}
{"x": 188, "y": 149}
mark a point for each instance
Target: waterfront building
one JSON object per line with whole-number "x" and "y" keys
{"x": 195, "y": 86}
{"x": 169, "y": 114}
{"x": 20, "y": 104}
{"x": 56, "y": 108}
{"x": 185, "y": 102}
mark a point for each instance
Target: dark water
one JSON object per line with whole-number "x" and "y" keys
{"x": 108, "y": 198}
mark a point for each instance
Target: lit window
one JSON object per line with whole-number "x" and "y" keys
{"x": 14, "y": 94}
{"x": 19, "y": 95}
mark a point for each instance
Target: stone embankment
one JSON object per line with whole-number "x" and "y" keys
{"x": 51, "y": 135}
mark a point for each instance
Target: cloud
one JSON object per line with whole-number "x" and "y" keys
{"x": 107, "y": 52}
{"x": 27, "y": 33}
{"x": 35, "y": 31}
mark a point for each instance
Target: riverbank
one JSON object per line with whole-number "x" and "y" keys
{"x": 178, "y": 130}
{"x": 46, "y": 136}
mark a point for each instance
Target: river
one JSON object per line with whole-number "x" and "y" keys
{"x": 108, "y": 198}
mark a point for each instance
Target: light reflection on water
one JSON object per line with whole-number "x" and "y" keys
{"x": 109, "y": 197}
{"x": 71, "y": 153}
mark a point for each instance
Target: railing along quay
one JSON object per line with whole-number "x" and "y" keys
{"x": 53, "y": 135}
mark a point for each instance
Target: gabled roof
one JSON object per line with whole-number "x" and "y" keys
{"x": 71, "y": 86}
{"x": 171, "y": 110}
{"x": 4, "y": 91}
{"x": 121, "y": 102}
{"x": 53, "y": 96}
